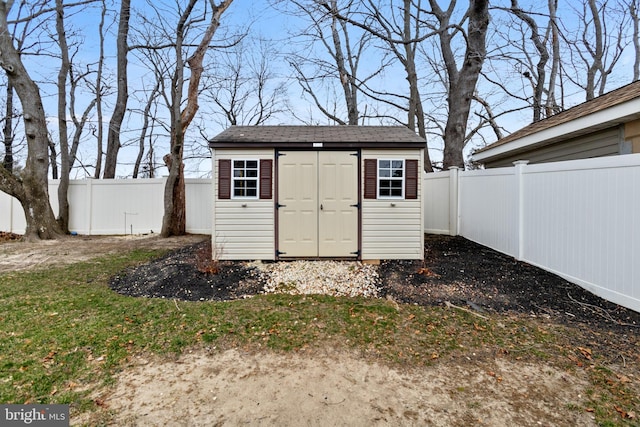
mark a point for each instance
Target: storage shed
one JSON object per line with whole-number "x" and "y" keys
{"x": 285, "y": 192}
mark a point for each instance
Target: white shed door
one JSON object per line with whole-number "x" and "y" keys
{"x": 318, "y": 196}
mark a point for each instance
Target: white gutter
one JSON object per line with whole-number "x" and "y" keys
{"x": 609, "y": 116}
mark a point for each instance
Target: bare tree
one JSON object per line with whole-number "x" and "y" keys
{"x": 31, "y": 188}
{"x": 331, "y": 75}
{"x": 115, "y": 125}
{"x": 65, "y": 66}
{"x": 242, "y": 85}
{"x": 597, "y": 47}
{"x": 174, "y": 219}
{"x": 401, "y": 33}
{"x": 67, "y": 152}
{"x": 146, "y": 119}
{"x": 462, "y": 79}
{"x": 532, "y": 44}
{"x": 98, "y": 92}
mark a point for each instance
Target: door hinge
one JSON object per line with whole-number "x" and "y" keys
{"x": 278, "y": 206}
{"x": 355, "y": 154}
{"x": 278, "y": 253}
{"x": 356, "y": 253}
{"x": 357, "y": 206}
{"x": 280, "y": 154}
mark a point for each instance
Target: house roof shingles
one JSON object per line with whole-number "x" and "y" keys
{"x": 610, "y": 99}
{"x": 304, "y": 136}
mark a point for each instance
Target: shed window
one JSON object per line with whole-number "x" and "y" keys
{"x": 390, "y": 178}
{"x": 245, "y": 178}
{"x": 248, "y": 179}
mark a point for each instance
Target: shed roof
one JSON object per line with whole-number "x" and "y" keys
{"x": 307, "y": 136}
{"x": 620, "y": 105}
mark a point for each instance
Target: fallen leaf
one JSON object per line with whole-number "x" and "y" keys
{"x": 621, "y": 411}
{"x": 586, "y": 352}
{"x": 631, "y": 415}
{"x": 590, "y": 410}
{"x": 575, "y": 360}
{"x": 623, "y": 379}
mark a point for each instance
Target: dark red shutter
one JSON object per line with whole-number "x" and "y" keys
{"x": 370, "y": 178}
{"x": 411, "y": 179}
{"x": 224, "y": 179}
{"x": 266, "y": 175}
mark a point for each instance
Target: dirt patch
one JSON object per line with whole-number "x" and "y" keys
{"x": 239, "y": 388}
{"x": 17, "y": 255}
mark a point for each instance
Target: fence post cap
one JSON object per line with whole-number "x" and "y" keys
{"x": 521, "y": 162}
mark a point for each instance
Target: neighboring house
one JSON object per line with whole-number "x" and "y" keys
{"x": 608, "y": 125}
{"x": 283, "y": 192}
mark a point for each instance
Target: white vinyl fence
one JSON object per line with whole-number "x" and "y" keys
{"x": 578, "y": 219}
{"x": 103, "y": 207}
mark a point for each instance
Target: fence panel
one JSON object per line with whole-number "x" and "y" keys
{"x": 104, "y": 207}
{"x": 11, "y": 215}
{"x": 199, "y": 205}
{"x": 436, "y": 193}
{"x": 489, "y": 208}
{"x": 580, "y": 222}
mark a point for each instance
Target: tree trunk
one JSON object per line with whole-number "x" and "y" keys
{"x": 32, "y": 189}
{"x": 100, "y": 133}
{"x": 346, "y": 81}
{"x": 7, "y": 131}
{"x": 596, "y": 52}
{"x": 539, "y": 79}
{"x": 65, "y": 169}
{"x": 113, "y": 134}
{"x": 462, "y": 83}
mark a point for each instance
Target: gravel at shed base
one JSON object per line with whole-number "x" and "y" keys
{"x": 337, "y": 278}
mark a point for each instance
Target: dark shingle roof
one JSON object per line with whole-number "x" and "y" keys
{"x": 610, "y": 99}
{"x": 307, "y": 135}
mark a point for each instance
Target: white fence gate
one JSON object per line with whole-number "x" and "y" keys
{"x": 103, "y": 207}
{"x": 578, "y": 219}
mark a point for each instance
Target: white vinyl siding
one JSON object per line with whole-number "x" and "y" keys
{"x": 392, "y": 228}
{"x": 243, "y": 228}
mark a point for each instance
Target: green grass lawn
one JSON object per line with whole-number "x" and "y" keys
{"x": 64, "y": 333}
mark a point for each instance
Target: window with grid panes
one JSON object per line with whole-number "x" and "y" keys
{"x": 391, "y": 178}
{"x": 245, "y": 179}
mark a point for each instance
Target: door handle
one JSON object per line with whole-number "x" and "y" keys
{"x": 321, "y": 207}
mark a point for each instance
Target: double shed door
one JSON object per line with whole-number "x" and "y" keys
{"x": 318, "y": 204}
